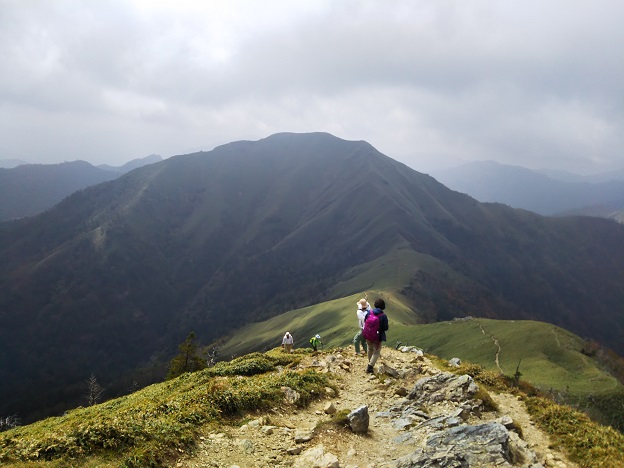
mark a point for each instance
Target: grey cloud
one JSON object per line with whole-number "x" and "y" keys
{"x": 533, "y": 83}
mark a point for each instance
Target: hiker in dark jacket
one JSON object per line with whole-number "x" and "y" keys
{"x": 374, "y": 346}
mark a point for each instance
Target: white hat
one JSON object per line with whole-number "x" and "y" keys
{"x": 318, "y": 336}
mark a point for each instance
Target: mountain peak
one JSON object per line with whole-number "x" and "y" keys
{"x": 214, "y": 240}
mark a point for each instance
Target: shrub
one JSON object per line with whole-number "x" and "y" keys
{"x": 146, "y": 427}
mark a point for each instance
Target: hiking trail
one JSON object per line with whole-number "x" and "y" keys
{"x": 498, "y": 348}
{"x": 288, "y": 436}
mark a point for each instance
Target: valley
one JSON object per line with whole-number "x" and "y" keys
{"x": 110, "y": 280}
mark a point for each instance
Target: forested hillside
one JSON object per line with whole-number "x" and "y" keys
{"x": 110, "y": 280}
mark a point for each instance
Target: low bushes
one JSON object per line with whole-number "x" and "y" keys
{"x": 144, "y": 428}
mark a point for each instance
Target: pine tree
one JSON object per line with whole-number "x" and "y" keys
{"x": 95, "y": 390}
{"x": 187, "y": 360}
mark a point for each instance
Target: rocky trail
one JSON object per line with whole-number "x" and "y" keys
{"x": 409, "y": 414}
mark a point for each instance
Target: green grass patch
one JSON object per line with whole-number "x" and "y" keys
{"x": 389, "y": 272}
{"x": 586, "y": 442}
{"x": 146, "y": 427}
{"x": 549, "y": 357}
{"x": 335, "y": 321}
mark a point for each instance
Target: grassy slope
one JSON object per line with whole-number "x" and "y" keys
{"x": 549, "y": 356}
{"x": 395, "y": 268}
{"x": 335, "y": 321}
{"x": 146, "y": 427}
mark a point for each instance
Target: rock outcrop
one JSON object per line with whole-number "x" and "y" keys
{"x": 410, "y": 414}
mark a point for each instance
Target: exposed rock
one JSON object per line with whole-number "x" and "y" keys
{"x": 257, "y": 422}
{"x": 304, "y": 435}
{"x": 434, "y": 425}
{"x": 521, "y": 453}
{"x": 505, "y": 421}
{"x": 412, "y": 349}
{"x": 455, "y": 362}
{"x": 290, "y": 395}
{"x": 443, "y": 387}
{"x": 442, "y": 422}
{"x": 317, "y": 458}
{"x": 401, "y": 391}
{"x": 358, "y": 420}
{"x": 247, "y": 445}
{"x": 386, "y": 369}
{"x": 402, "y": 423}
{"x": 404, "y": 439}
{"x": 463, "y": 446}
{"x": 268, "y": 430}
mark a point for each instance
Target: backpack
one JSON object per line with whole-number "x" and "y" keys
{"x": 371, "y": 326}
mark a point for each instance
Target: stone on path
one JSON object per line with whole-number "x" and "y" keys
{"x": 329, "y": 408}
{"x": 302, "y": 435}
{"x": 358, "y": 420}
{"x": 318, "y": 458}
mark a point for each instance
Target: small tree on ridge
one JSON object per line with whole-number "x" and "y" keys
{"x": 187, "y": 360}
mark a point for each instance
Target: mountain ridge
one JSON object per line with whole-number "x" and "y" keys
{"x": 29, "y": 189}
{"x": 545, "y": 193}
{"x": 114, "y": 276}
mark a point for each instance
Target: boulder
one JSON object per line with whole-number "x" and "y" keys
{"x": 463, "y": 446}
{"x": 358, "y": 420}
{"x": 455, "y": 362}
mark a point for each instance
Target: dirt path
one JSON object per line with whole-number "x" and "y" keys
{"x": 269, "y": 439}
{"x": 498, "y": 348}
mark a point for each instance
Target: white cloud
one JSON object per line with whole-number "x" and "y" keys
{"x": 530, "y": 83}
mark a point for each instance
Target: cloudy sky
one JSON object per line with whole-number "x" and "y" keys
{"x": 428, "y": 82}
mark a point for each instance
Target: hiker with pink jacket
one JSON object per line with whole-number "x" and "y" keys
{"x": 374, "y": 331}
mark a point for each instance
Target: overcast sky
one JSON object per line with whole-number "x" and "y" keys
{"x": 538, "y": 84}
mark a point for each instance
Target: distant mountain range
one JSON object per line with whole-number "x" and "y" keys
{"x": 29, "y": 189}
{"x": 549, "y": 193}
{"x": 10, "y": 163}
{"x": 131, "y": 165}
{"x": 114, "y": 277}
{"x": 566, "y": 176}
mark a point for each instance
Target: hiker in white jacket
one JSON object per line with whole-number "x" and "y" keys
{"x": 287, "y": 342}
{"x": 358, "y": 339}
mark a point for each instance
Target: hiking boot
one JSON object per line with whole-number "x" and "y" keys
{"x": 370, "y": 369}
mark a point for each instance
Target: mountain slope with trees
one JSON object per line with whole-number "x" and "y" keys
{"x": 29, "y": 189}
{"x": 111, "y": 279}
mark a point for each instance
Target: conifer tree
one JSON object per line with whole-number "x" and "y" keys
{"x": 95, "y": 391}
{"x": 187, "y": 360}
